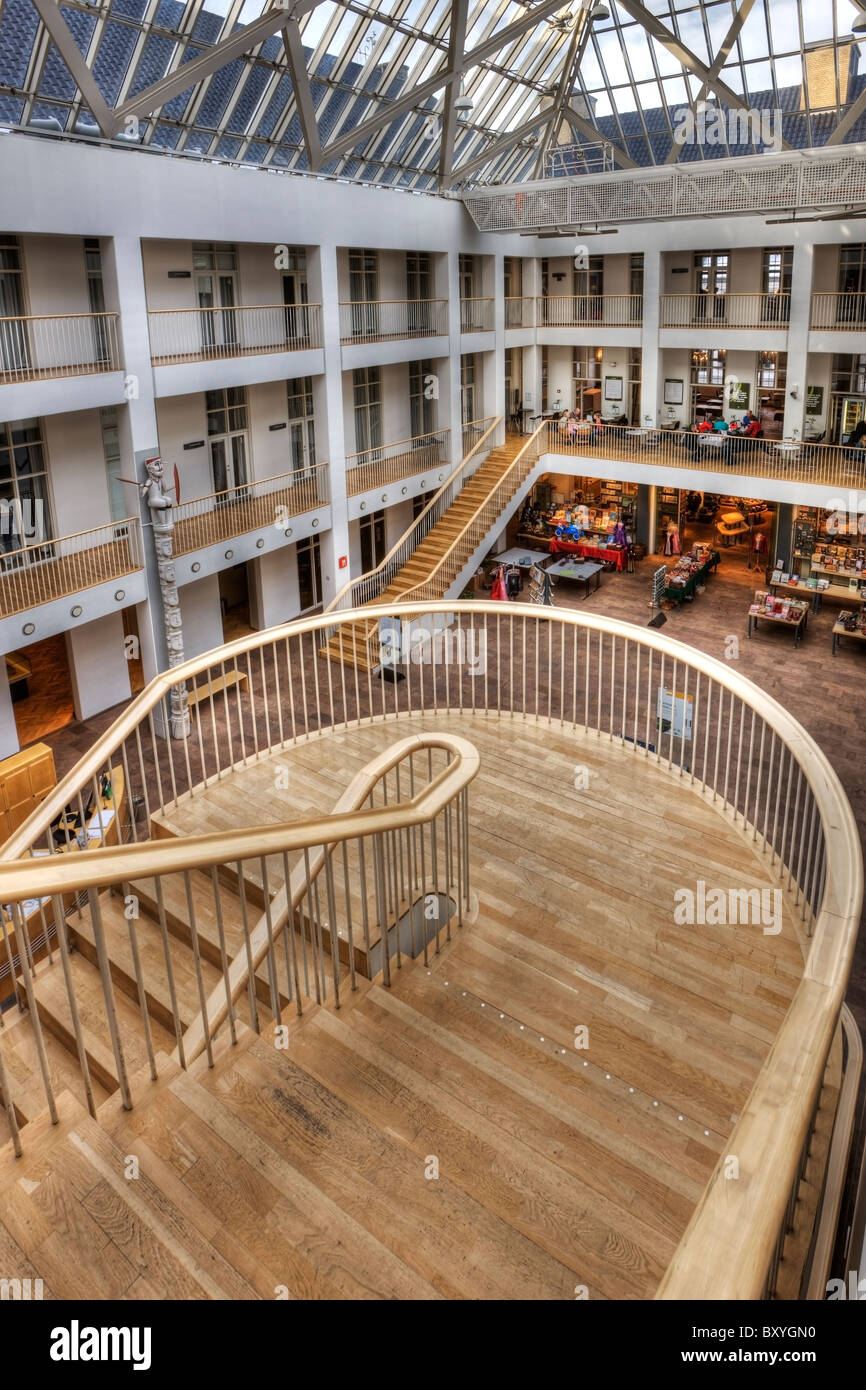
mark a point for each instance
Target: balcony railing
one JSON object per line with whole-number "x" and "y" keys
{"x": 33, "y": 349}
{"x": 519, "y": 311}
{"x": 391, "y": 462}
{"x": 843, "y": 310}
{"x": 724, "y": 310}
{"x": 476, "y": 315}
{"x": 53, "y": 569}
{"x": 248, "y": 507}
{"x": 829, "y": 465}
{"x": 377, "y": 320}
{"x": 202, "y": 335}
{"x": 589, "y": 310}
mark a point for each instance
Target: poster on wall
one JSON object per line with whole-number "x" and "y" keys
{"x": 814, "y": 400}
{"x": 738, "y": 395}
{"x": 673, "y": 393}
{"x": 613, "y": 388}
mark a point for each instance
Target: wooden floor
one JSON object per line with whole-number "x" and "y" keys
{"x": 66, "y": 574}
{"x": 313, "y": 1168}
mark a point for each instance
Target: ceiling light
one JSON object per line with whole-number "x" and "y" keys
{"x": 859, "y": 25}
{"x": 599, "y": 11}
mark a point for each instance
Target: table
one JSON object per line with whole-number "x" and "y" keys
{"x": 678, "y": 592}
{"x": 712, "y": 439}
{"x": 585, "y": 572}
{"x": 840, "y": 631}
{"x": 522, "y": 558}
{"x": 798, "y": 624}
{"x": 608, "y": 554}
{"x": 787, "y": 447}
{"x": 803, "y": 594}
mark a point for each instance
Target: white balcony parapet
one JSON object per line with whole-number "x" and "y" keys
{"x": 55, "y": 568}
{"x": 724, "y": 310}
{"x": 590, "y": 311}
{"x": 219, "y": 516}
{"x": 377, "y": 320}
{"x": 37, "y": 348}
{"x": 201, "y": 335}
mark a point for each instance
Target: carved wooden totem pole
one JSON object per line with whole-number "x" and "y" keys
{"x": 162, "y": 516}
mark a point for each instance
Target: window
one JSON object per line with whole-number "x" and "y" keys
{"x": 367, "y": 394}
{"x": 96, "y": 297}
{"x": 848, "y": 373}
{"x": 421, "y": 407}
{"x": 227, "y": 427}
{"x": 467, "y": 387}
{"x": 586, "y": 375}
{"x": 25, "y": 517}
{"x": 309, "y": 573}
{"x": 708, "y": 366}
{"x": 372, "y": 541}
{"x": 513, "y": 378}
{"x": 852, "y": 284}
{"x": 295, "y": 294}
{"x": 419, "y": 275}
{"x": 588, "y": 283}
{"x": 364, "y": 292}
{"x": 771, "y": 370}
{"x": 513, "y": 277}
{"x": 467, "y": 277}
{"x": 635, "y": 287}
{"x": 14, "y": 347}
{"x": 302, "y": 425}
{"x": 776, "y": 284}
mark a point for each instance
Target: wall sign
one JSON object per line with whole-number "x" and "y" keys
{"x": 738, "y": 395}
{"x": 195, "y": 444}
{"x": 281, "y": 426}
{"x": 180, "y": 275}
{"x": 673, "y": 393}
{"x": 613, "y": 388}
{"x": 814, "y": 400}
{"x": 342, "y": 562}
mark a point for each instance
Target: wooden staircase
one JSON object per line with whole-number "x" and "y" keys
{"x": 353, "y": 643}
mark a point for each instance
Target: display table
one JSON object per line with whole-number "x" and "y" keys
{"x": 608, "y": 554}
{"x": 840, "y": 631}
{"x": 586, "y": 572}
{"x": 678, "y": 592}
{"x": 795, "y": 623}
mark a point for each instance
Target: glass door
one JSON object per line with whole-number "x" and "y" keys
{"x": 14, "y": 348}
{"x": 216, "y": 270}
{"x": 309, "y": 574}
{"x": 421, "y": 416}
{"x": 635, "y": 288}
{"x": 364, "y": 292}
{"x": 852, "y": 284}
{"x": 367, "y": 391}
{"x": 419, "y": 290}
{"x": 297, "y": 316}
{"x": 588, "y": 290}
{"x": 711, "y": 285}
{"x": 25, "y": 516}
{"x": 302, "y": 426}
{"x": 96, "y": 298}
{"x": 227, "y": 440}
{"x": 776, "y": 285}
{"x": 372, "y": 541}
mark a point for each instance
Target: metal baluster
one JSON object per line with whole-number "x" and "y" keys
{"x": 381, "y": 912}
{"x": 308, "y": 918}
{"x": 349, "y": 928}
{"x": 108, "y": 996}
{"x": 272, "y": 964}
{"x": 275, "y": 657}
{"x": 293, "y": 982}
{"x": 335, "y": 933}
{"x": 169, "y": 969}
{"x": 139, "y": 980}
{"x": 251, "y": 973}
{"x": 224, "y": 964}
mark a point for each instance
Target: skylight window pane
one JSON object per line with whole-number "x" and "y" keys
{"x": 691, "y": 30}
{"x": 612, "y": 58}
{"x": 785, "y": 25}
{"x": 668, "y": 65}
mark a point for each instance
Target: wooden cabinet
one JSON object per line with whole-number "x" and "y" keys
{"x": 25, "y": 779}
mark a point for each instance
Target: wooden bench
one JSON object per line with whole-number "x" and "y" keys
{"x": 213, "y": 687}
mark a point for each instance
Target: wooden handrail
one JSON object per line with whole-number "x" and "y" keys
{"x": 308, "y": 468}
{"x": 407, "y": 594}
{"x": 359, "y": 303}
{"x": 398, "y": 443}
{"x": 227, "y": 308}
{"x": 421, "y": 515}
{"x": 41, "y": 318}
{"x": 131, "y": 521}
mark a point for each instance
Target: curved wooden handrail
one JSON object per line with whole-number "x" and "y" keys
{"x": 727, "y": 1248}
{"x": 350, "y": 584}
{"x": 101, "y": 868}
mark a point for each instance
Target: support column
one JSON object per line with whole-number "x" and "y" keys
{"x": 97, "y": 665}
{"x": 9, "y": 743}
{"x": 273, "y": 582}
{"x": 496, "y": 394}
{"x": 649, "y": 339}
{"x": 452, "y": 401}
{"x": 532, "y": 354}
{"x": 328, "y": 406}
{"x": 798, "y": 340}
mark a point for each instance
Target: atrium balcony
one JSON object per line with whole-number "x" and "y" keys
{"x": 58, "y": 362}
{"x": 418, "y": 457}
{"x": 39, "y": 579}
{"x": 238, "y": 344}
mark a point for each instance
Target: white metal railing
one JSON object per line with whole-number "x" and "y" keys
{"x": 519, "y": 311}
{"x": 724, "y": 310}
{"x": 51, "y": 569}
{"x": 809, "y": 179}
{"x": 193, "y": 335}
{"x": 476, "y": 315}
{"x": 262, "y": 502}
{"x": 590, "y": 310}
{"x": 378, "y": 319}
{"x": 846, "y": 309}
{"x": 32, "y": 348}
{"x": 390, "y": 462}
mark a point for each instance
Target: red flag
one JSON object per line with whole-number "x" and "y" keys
{"x": 176, "y": 486}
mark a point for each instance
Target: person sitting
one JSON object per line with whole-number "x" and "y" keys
{"x": 856, "y": 440}
{"x": 720, "y": 425}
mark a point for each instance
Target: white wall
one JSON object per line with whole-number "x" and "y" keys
{"x": 202, "y": 616}
{"x": 54, "y": 274}
{"x": 273, "y": 587}
{"x": 98, "y": 665}
{"x": 8, "y": 732}
{"x": 76, "y": 471}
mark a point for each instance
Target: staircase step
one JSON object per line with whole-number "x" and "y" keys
{"x": 23, "y": 1071}
{"x": 56, "y": 1015}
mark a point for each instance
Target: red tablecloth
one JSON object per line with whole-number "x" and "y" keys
{"x": 588, "y": 552}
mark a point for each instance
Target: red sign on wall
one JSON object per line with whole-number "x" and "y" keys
{"x": 343, "y": 561}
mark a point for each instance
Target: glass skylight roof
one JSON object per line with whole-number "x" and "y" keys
{"x": 534, "y": 78}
